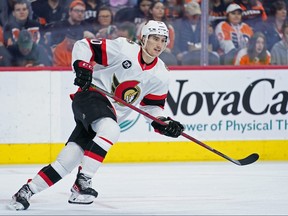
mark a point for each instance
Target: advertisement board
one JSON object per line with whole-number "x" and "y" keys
{"x": 225, "y": 105}
{"x": 213, "y": 105}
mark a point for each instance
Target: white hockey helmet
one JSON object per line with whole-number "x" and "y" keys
{"x": 155, "y": 27}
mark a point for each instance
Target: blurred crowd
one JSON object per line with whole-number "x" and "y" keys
{"x": 241, "y": 32}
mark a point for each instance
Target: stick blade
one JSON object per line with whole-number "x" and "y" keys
{"x": 248, "y": 160}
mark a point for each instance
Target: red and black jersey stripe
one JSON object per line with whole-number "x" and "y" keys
{"x": 154, "y": 100}
{"x": 98, "y": 48}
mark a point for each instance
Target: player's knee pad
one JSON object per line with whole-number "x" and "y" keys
{"x": 107, "y": 128}
{"x": 69, "y": 158}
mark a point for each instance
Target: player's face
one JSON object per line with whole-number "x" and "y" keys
{"x": 155, "y": 45}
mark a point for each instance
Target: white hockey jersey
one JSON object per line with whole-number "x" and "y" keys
{"x": 120, "y": 70}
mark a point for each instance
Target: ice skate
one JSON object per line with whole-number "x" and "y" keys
{"x": 82, "y": 193}
{"x": 20, "y": 200}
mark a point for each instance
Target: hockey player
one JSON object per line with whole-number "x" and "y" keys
{"x": 131, "y": 72}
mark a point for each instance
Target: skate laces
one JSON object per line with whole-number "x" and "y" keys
{"x": 25, "y": 192}
{"x": 83, "y": 181}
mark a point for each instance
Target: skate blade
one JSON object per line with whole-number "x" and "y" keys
{"x": 81, "y": 199}
{"x": 15, "y": 206}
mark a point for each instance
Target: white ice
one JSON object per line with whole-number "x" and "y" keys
{"x": 192, "y": 188}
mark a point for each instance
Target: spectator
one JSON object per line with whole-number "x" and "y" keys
{"x": 137, "y": 14}
{"x": 124, "y": 14}
{"x": 253, "y": 13}
{"x": 132, "y": 3}
{"x": 227, "y": 2}
{"x": 88, "y": 34}
{"x": 1, "y": 35}
{"x": 48, "y": 11}
{"x": 128, "y": 30}
{"x": 157, "y": 12}
{"x": 267, "y": 4}
{"x": 62, "y": 54}
{"x": 74, "y": 22}
{"x": 217, "y": 12}
{"x": 116, "y": 5}
{"x": 233, "y": 34}
{"x": 109, "y": 32}
{"x": 27, "y": 53}
{"x": 173, "y": 9}
{"x": 256, "y": 53}
{"x": 105, "y": 27}
{"x": 92, "y": 7}
{"x": 279, "y": 52}
{"x": 5, "y": 56}
{"x": 20, "y": 21}
{"x": 6, "y": 10}
{"x": 274, "y": 24}
{"x": 141, "y": 11}
{"x": 188, "y": 36}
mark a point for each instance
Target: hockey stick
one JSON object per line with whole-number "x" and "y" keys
{"x": 245, "y": 161}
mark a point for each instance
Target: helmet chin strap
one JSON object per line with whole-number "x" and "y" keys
{"x": 144, "y": 48}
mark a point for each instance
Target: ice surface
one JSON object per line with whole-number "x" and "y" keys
{"x": 219, "y": 188}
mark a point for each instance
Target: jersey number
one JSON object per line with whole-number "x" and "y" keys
{"x": 96, "y": 41}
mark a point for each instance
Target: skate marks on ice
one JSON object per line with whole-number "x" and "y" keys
{"x": 161, "y": 189}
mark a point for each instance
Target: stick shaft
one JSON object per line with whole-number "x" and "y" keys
{"x": 163, "y": 123}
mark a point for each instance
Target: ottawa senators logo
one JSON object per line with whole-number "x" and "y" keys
{"x": 127, "y": 91}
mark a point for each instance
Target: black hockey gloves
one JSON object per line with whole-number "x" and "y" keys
{"x": 83, "y": 72}
{"x": 172, "y": 129}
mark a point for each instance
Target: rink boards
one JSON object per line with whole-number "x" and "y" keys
{"x": 237, "y": 111}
